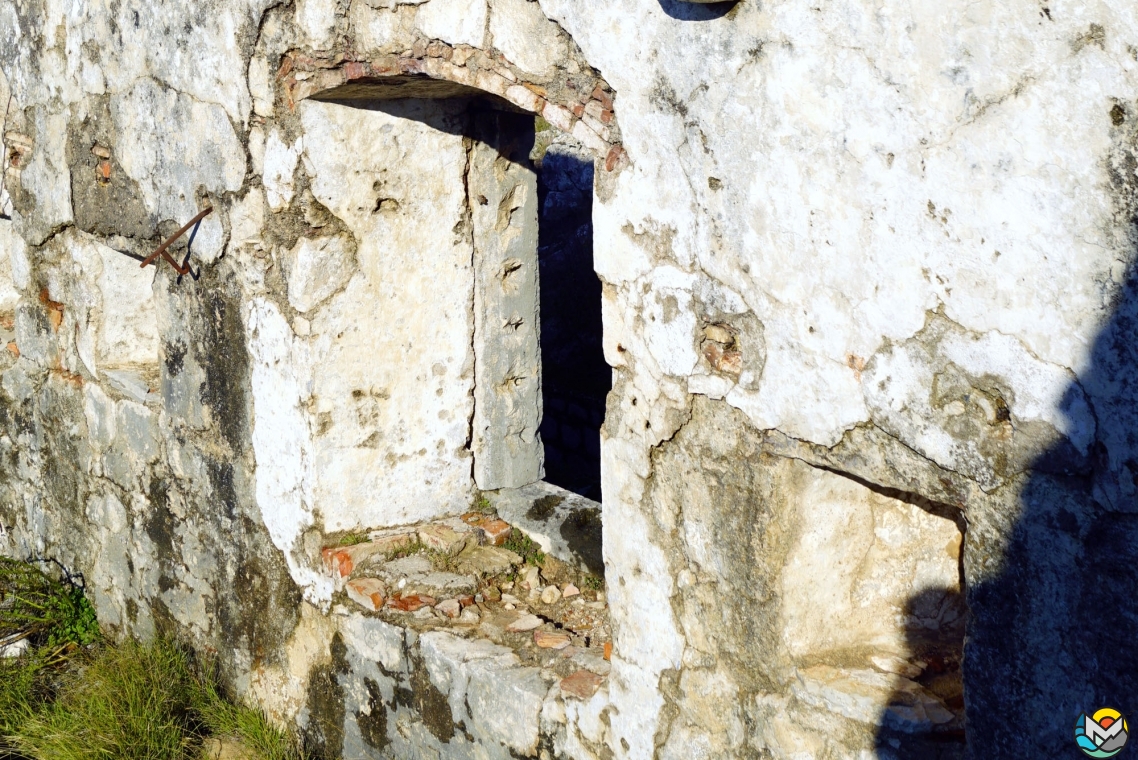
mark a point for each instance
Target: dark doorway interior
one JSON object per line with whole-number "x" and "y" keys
{"x": 575, "y": 377}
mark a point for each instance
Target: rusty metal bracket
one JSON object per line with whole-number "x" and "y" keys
{"x": 184, "y": 268}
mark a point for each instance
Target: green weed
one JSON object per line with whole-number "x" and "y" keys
{"x": 406, "y": 550}
{"x": 352, "y": 539}
{"x": 593, "y": 582}
{"x": 525, "y": 547}
{"x": 47, "y": 612}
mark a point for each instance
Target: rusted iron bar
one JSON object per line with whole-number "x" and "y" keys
{"x": 161, "y": 250}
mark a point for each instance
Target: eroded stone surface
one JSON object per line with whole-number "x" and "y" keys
{"x": 859, "y": 229}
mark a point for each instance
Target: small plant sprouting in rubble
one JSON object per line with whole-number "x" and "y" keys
{"x": 352, "y": 539}
{"x": 594, "y": 582}
{"x": 525, "y": 547}
{"x": 406, "y": 550}
{"x": 483, "y": 505}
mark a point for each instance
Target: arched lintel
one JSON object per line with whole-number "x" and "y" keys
{"x": 440, "y": 71}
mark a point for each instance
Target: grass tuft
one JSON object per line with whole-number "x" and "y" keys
{"x": 525, "y": 547}
{"x": 72, "y": 697}
{"x": 406, "y": 550}
{"x": 129, "y": 701}
{"x": 593, "y": 582}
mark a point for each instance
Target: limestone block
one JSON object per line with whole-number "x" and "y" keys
{"x": 376, "y": 640}
{"x": 280, "y": 163}
{"x": 526, "y": 37}
{"x": 391, "y": 404}
{"x": 124, "y": 314}
{"x": 375, "y": 26}
{"x": 562, "y": 523}
{"x": 317, "y": 20}
{"x": 457, "y": 22}
{"x": 13, "y": 247}
{"x": 137, "y": 431}
{"x": 317, "y": 268}
{"x": 505, "y": 705}
{"x": 246, "y": 219}
{"x": 172, "y": 145}
{"x": 9, "y": 256}
{"x": 503, "y": 209}
{"x": 858, "y": 561}
{"x": 45, "y": 177}
{"x": 261, "y": 86}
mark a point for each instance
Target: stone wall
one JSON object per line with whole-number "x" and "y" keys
{"x": 867, "y": 296}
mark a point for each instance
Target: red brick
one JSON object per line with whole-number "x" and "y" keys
{"x": 411, "y": 603}
{"x": 338, "y": 562}
{"x": 495, "y": 531}
{"x": 604, "y": 97}
{"x": 583, "y": 684}
{"x": 615, "y": 156}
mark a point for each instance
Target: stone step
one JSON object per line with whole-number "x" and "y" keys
{"x": 566, "y": 526}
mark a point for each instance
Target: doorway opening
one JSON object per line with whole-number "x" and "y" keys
{"x": 575, "y": 377}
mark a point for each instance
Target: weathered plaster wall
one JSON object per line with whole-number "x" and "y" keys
{"x": 868, "y": 297}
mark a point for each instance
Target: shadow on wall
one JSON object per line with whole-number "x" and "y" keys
{"x": 697, "y": 11}
{"x": 1052, "y": 632}
{"x": 575, "y": 378}
{"x": 934, "y": 636}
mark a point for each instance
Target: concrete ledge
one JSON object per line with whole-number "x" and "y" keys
{"x": 567, "y": 526}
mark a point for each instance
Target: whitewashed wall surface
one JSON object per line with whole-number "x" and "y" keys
{"x": 870, "y": 460}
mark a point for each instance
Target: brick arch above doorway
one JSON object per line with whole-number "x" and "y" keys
{"x": 580, "y": 104}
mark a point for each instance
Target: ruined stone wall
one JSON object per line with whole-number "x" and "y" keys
{"x": 868, "y": 297}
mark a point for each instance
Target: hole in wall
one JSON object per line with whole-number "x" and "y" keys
{"x": 576, "y": 379}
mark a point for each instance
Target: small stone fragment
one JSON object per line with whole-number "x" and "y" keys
{"x": 582, "y": 684}
{"x": 526, "y": 622}
{"x": 485, "y": 561}
{"x": 466, "y": 600}
{"x": 551, "y": 640}
{"x": 896, "y": 665}
{"x": 510, "y": 599}
{"x": 531, "y": 578}
{"x": 495, "y": 531}
{"x": 551, "y": 595}
{"x": 469, "y": 615}
{"x": 719, "y": 334}
{"x": 608, "y": 650}
{"x": 440, "y": 537}
{"x": 570, "y": 590}
{"x": 369, "y": 593}
{"x": 451, "y": 608}
{"x": 492, "y": 594}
